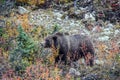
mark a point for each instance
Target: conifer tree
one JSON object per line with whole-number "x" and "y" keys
{"x": 23, "y": 55}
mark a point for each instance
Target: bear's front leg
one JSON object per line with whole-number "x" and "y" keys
{"x": 61, "y": 59}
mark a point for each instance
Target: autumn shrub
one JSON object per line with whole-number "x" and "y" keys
{"x": 43, "y": 71}
{"x": 24, "y": 53}
{"x": 11, "y": 29}
{"x": 8, "y": 34}
{"x": 118, "y": 58}
{"x": 1, "y": 32}
{"x": 23, "y": 20}
{"x": 39, "y": 33}
{"x": 1, "y": 36}
{"x": 4, "y": 41}
{"x": 32, "y": 2}
{"x": 2, "y": 1}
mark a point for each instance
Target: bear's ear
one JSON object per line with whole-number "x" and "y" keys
{"x": 59, "y": 34}
{"x": 66, "y": 33}
{"x": 54, "y": 38}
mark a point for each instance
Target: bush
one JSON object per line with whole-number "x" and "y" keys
{"x": 23, "y": 55}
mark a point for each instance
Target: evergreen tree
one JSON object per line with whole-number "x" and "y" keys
{"x": 23, "y": 55}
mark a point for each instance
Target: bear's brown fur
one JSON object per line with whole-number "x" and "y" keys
{"x": 71, "y": 47}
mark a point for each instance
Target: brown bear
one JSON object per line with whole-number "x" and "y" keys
{"x": 71, "y": 47}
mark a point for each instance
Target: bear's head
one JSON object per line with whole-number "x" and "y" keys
{"x": 53, "y": 39}
{"x": 49, "y": 42}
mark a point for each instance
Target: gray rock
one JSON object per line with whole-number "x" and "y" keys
{"x": 22, "y": 10}
{"x": 107, "y": 31}
{"x": 58, "y": 15}
{"x": 99, "y": 62}
{"x": 86, "y": 32}
{"x": 109, "y": 25}
{"x": 103, "y": 38}
{"x": 116, "y": 32}
{"x": 77, "y": 73}
{"x": 2, "y": 23}
{"x": 89, "y": 16}
{"x": 95, "y": 29}
{"x": 91, "y": 77}
{"x": 74, "y": 72}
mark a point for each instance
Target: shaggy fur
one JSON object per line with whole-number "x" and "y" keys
{"x": 71, "y": 47}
